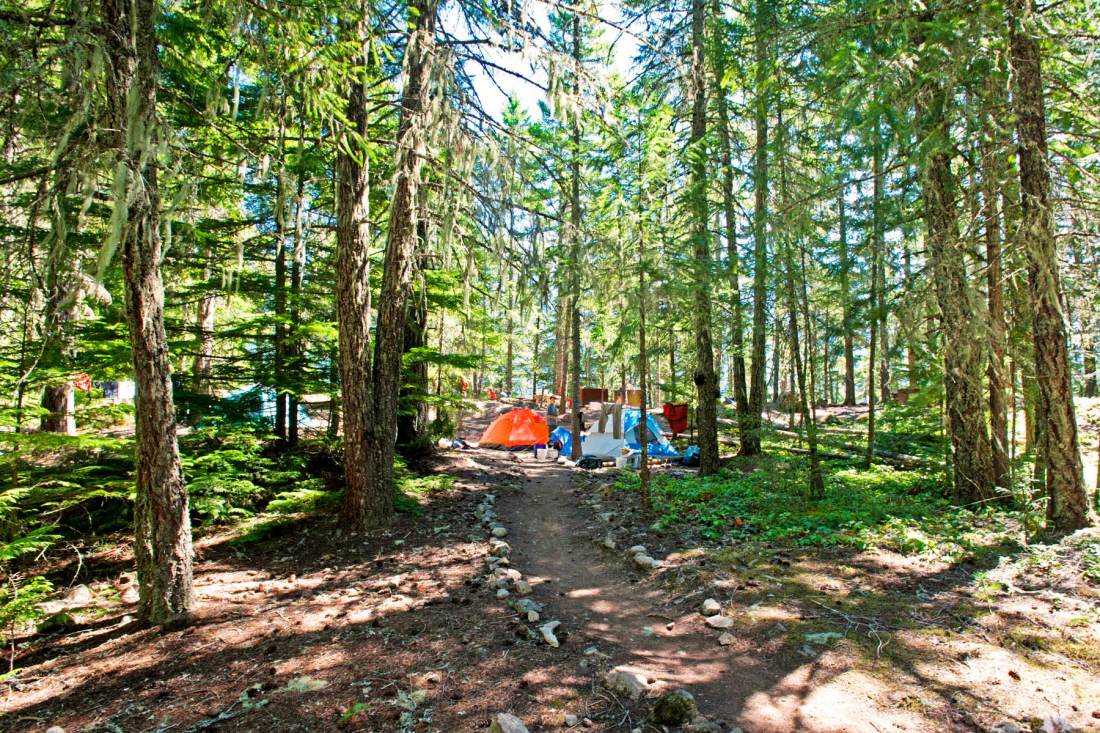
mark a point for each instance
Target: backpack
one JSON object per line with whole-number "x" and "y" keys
{"x": 589, "y": 462}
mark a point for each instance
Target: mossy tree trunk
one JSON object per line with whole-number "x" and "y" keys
{"x": 1068, "y": 500}
{"x": 375, "y": 507}
{"x": 353, "y": 293}
{"x": 751, "y": 439}
{"x": 162, "y": 528}
{"x": 705, "y": 378}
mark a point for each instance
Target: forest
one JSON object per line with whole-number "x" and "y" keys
{"x": 715, "y": 366}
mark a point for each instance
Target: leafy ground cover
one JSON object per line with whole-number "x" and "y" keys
{"x": 902, "y": 510}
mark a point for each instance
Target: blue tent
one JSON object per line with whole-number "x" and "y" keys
{"x": 657, "y": 445}
{"x": 563, "y": 435}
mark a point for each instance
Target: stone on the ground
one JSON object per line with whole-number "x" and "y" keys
{"x": 532, "y": 616}
{"x": 609, "y": 542}
{"x": 499, "y": 548}
{"x": 571, "y": 719}
{"x": 499, "y": 531}
{"x": 79, "y": 594}
{"x": 503, "y": 593}
{"x": 507, "y": 723}
{"x": 626, "y": 682}
{"x": 509, "y": 574}
{"x": 527, "y": 604}
{"x": 637, "y": 550}
{"x": 55, "y": 729}
{"x": 702, "y": 725}
{"x": 726, "y": 639}
{"x": 719, "y": 622}
{"x": 711, "y": 607}
{"x": 522, "y": 587}
{"x": 547, "y": 631}
{"x": 1007, "y": 726}
{"x": 645, "y": 562}
{"x": 675, "y": 707}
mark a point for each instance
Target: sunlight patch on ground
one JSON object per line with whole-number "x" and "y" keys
{"x": 823, "y": 697}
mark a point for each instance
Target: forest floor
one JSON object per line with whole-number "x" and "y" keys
{"x": 314, "y": 629}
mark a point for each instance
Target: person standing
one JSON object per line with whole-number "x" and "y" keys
{"x": 552, "y": 413}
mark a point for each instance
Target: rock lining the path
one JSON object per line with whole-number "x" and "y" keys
{"x": 626, "y": 682}
{"x": 547, "y": 630}
{"x": 507, "y": 723}
{"x": 675, "y": 707}
{"x": 719, "y": 622}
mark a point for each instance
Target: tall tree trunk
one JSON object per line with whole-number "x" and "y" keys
{"x": 353, "y": 292}
{"x": 203, "y": 366}
{"x": 995, "y": 372}
{"x": 62, "y": 309}
{"x": 750, "y": 440}
{"x": 846, "y": 302}
{"x": 295, "y": 351}
{"x": 280, "y": 279}
{"x": 796, "y": 293}
{"x": 1068, "y": 507}
{"x": 575, "y": 250}
{"x": 706, "y": 381}
{"x": 401, "y": 243}
{"x": 869, "y": 454}
{"x": 162, "y": 525}
{"x": 947, "y": 254}
{"x": 883, "y": 332}
{"x": 562, "y": 327}
{"x": 913, "y": 311}
{"x": 643, "y": 374}
{"x": 412, "y": 418}
{"x": 777, "y": 349}
{"x": 737, "y": 326}
{"x": 878, "y": 331}
{"x": 62, "y": 269}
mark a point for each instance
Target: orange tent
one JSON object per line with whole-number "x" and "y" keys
{"x": 515, "y": 429}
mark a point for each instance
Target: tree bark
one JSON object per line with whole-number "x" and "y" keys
{"x": 947, "y": 254}
{"x": 846, "y": 303}
{"x": 296, "y": 348}
{"x": 376, "y": 507}
{"x": 751, "y": 439}
{"x": 62, "y": 310}
{"x": 575, "y": 252}
{"x": 998, "y": 330}
{"x": 1068, "y": 508}
{"x": 353, "y": 293}
{"x": 816, "y": 481}
{"x": 737, "y": 326}
{"x": 412, "y": 418}
{"x": 706, "y": 381}
{"x": 643, "y": 375}
{"x": 280, "y": 279}
{"x": 883, "y": 332}
{"x": 877, "y": 321}
{"x": 162, "y": 527}
{"x": 203, "y": 366}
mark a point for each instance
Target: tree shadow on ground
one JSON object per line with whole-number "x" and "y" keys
{"x": 380, "y": 618}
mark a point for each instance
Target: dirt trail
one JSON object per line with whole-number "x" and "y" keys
{"x": 601, "y": 601}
